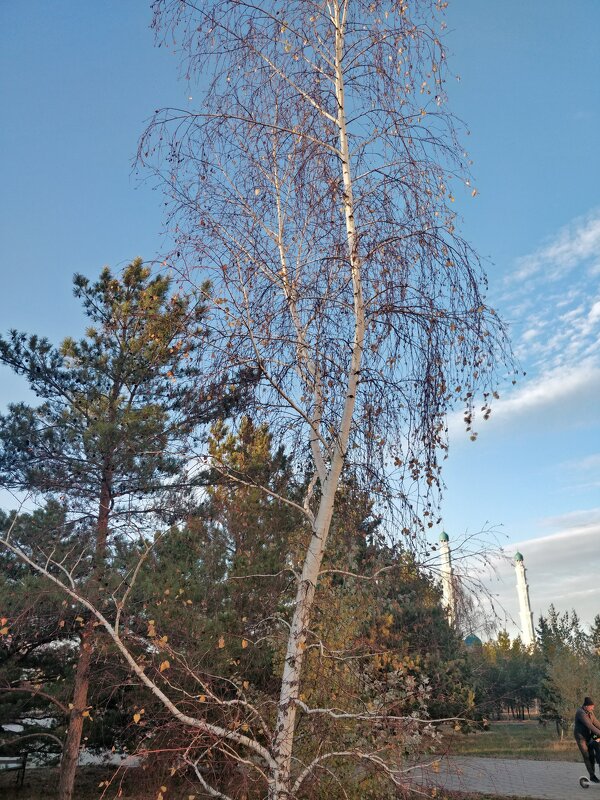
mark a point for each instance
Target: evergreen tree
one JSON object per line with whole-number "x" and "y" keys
{"x": 105, "y": 439}
{"x": 568, "y": 663}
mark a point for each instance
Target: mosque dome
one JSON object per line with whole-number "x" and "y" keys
{"x": 473, "y": 641}
{"x": 518, "y": 556}
{"x": 444, "y": 537}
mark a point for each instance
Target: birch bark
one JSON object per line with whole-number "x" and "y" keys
{"x": 283, "y": 745}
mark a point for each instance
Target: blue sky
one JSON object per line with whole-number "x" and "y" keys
{"x": 77, "y": 81}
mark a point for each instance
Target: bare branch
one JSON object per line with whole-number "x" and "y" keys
{"x": 29, "y": 689}
{"x": 193, "y": 722}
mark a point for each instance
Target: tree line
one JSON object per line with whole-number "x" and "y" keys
{"x": 548, "y": 680}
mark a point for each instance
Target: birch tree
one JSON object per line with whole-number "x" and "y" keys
{"x": 314, "y": 185}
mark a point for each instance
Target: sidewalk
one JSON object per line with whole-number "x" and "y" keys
{"x": 547, "y": 780}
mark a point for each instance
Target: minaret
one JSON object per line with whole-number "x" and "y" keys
{"x": 524, "y": 604}
{"x": 448, "y": 599}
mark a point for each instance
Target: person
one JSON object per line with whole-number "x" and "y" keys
{"x": 587, "y": 729}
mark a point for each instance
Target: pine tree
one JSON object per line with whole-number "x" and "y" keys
{"x": 106, "y": 438}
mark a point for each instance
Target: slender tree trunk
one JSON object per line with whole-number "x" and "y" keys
{"x": 79, "y": 702}
{"x": 280, "y": 788}
{"x": 290, "y": 683}
{"x": 70, "y": 755}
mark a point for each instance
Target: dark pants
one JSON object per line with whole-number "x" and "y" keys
{"x": 589, "y": 750}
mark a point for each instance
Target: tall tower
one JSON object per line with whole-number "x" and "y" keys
{"x": 524, "y": 604}
{"x": 448, "y": 598}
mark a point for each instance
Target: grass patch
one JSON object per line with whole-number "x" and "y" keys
{"x": 526, "y": 739}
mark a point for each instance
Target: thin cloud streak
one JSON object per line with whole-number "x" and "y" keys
{"x": 576, "y": 242}
{"x": 553, "y": 301}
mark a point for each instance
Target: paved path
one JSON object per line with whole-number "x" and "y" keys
{"x": 547, "y": 780}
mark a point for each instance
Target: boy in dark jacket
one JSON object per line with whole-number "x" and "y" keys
{"x": 587, "y": 729}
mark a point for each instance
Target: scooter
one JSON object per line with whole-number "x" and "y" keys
{"x": 585, "y": 782}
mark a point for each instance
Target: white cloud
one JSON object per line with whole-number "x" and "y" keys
{"x": 553, "y": 302}
{"x": 578, "y": 521}
{"x": 575, "y": 243}
{"x": 555, "y": 388}
{"x": 564, "y": 397}
{"x": 583, "y": 464}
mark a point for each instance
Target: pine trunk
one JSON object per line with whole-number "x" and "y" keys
{"x": 70, "y": 755}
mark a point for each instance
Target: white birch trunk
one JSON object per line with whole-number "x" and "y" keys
{"x": 290, "y": 684}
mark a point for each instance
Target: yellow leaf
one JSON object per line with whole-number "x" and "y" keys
{"x": 86, "y": 714}
{"x": 244, "y": 644}
{"x": 137, "y": 717}
{"x": 245, "y": 727}
{"x": 78, "y": 619}
{"x": 245, "y": 684}
{"x": 165, "y": 665}
{"x": 3, "y": 621}
{"x": 435, "y": 766}
{"x": 163, "y": 639}
{"x": 151, "y": 628}
{"x": 221, "y": 644}
{"x": 202, "y": 698}
{"x": 4, "y": 630}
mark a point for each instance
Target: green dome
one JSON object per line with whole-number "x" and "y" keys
{"x": 444, "y": 537}
{"x": 518, "y": 556}
{"x": 473, "y": 641}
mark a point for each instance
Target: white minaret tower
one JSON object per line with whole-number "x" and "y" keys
{"x": 524, "y": 604}
{"x": 448, "y": 599}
